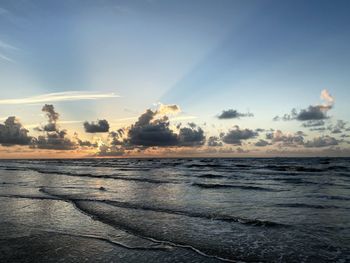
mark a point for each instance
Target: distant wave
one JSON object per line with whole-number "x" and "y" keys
{"x": 301, "y": 205}
{"x": 290, "y": 168}
{"x": 208, "y": 175}
{"x": 244, "y": 187}
{"x": 331, "y": 197}
{"x": 111, "y": 176}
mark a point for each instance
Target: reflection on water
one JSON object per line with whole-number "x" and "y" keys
{"x": 175, "y": 210}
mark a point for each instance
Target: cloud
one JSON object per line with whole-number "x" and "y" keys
{"x": 84, "y": 143}
{"x": 313, "y": 123}
{"x": 117, "y": 137}
{"x": 6, "y": 58}
{"x": 233, "y": 114}
{"x": 13, "y": 133}
{"x": 111, "y": 151}
{"x": 52, "y": 116}
{"x": 55, "y": 141}
{"x": 286, "y": 139}
{"x": 53, "y": 137}
{"x": 241, "y": 150}
{"x": 261, "y": 143}
{"x": 318, "y": 129}
{"x": 164, "y": 109}
{"x": 100, "y": 126}
{"x": 183, "y": 118}
{"x": 318, "y": 112}
{"x": 236, "y": 135}
{"x": 60, "y": 96}
{"x": 152, "y": 129}
{"x": 327, "y": 97}
{"x": 322, "y": 141}
{"x": 191, "y": 136}
{"x": 7, "y": 46}
{"x": 339, "y": 127}
{"x": 313, "y": 112}
{"x": 214, "y": 141}
{"x": 149, "y": 132}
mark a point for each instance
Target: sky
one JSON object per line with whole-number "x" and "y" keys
{"x": 174, "y": 78}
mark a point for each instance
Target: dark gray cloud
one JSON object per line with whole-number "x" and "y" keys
{"x": 286, "y": 139}
{"x": 321, "y": 129}
{"x": 53, "y": 138}
{"x": 236, "y": 135}
{"x": 13, "y": 133}
{"x": 322, "y": 141}
{"x": 312, "y": 113}
{"x": 55, "y": 141}
{"x": 116, "y": 137}
{"x": 233, "y": 114}
{"x": 214, "y": 141}
{"x": 313, "y": 123}
{"x": 191, "y": 136}
{"x": 261, "y": 143}
{"x": 84, "y": 143}
{"x": 149, "y": 132}
{"x": 96, "y": 127}
{"x": 52, "y": 116}
{"x": 153, "y": 130}
{"x": 339, "y": 127}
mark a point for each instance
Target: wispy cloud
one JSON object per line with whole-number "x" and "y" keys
{"x": 30, "y": 126}
{"x": 5, "y": 58}
{"x": 59, "y": 96}
{"x": 7, "y": 46}
{"x": 183, "y": 118}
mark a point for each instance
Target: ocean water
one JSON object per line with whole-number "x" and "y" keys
{"x": 175, "y": 210}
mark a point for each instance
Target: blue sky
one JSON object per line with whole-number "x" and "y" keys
{"x": 265, "y": 57}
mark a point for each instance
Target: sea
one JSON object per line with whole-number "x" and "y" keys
{"x": 175, "y": 210}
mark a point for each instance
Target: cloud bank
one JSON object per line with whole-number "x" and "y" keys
{"x": 13, "y": 133}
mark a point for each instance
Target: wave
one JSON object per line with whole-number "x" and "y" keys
{"x": 108, "y": 240}
{"x": 210, "y": 176}
{"x": 288, "y": 168}
{"x": 111, "y": 176}
{"x": 31, "y": 197}
{"x": 79, "y": 205}
{"x": 302, "y": 205}
{"x": 211, "y": 216}
{"x": 244, "y": 187}
{"x": 204, "y": 165}
{"x": 293, "y": 180}
{"x": 331, "y": 197}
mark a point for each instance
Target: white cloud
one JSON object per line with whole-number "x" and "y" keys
{"x": 327, "y": 97}
{"x": 59, "y": 96}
